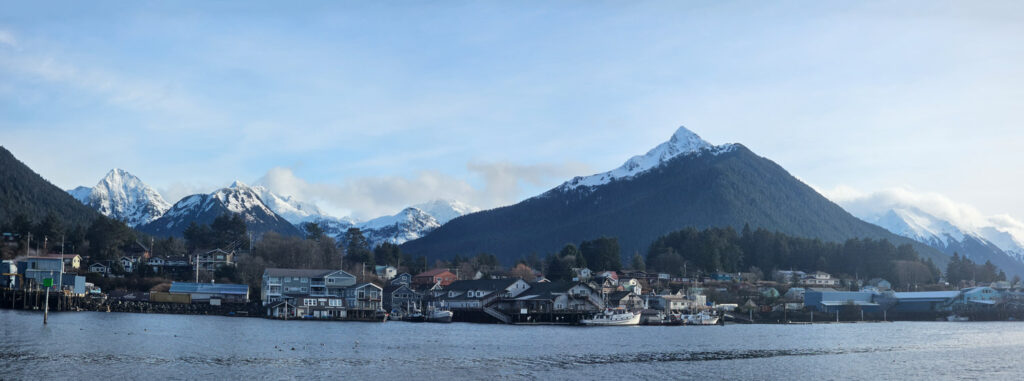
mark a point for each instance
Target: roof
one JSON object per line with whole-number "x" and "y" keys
{"x": 394, "y": 287}
{"x": 311, "y": 273}
{"x": 546, "y": 290}
{"x": 619, "y": 295}
{"x": 208, "y": 288}
{"x": 361, "y": 285}
{"x": 433, "y": 272}
{"x": 60, "y": 255}
{"x": 927, "y": 295}
{"x": 481, "y": 284}
{"x": 832, "y": 303}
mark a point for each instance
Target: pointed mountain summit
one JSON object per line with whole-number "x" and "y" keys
{"x": 446, "y": 210}
{"x": 122, "y": 196}
{"x": 238, "y": 198}
{"x": 409, "y": 224}
{"x": 684, "y": 182}
{"x": 682, "y": 143}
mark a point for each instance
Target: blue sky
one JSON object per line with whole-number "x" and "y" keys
{"x": 364, "y": 107}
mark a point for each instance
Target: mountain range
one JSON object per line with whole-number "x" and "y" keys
{"x": 122, "y": 196}
{"x": 684, "y": 182}
{"x": 983, "y": 244}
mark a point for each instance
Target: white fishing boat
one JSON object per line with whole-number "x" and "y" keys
{"x": 700, "y": 318}
{"x": 957, "y": 318}
{"x": 618, "y": 316}
{"x": 439, "y": 316}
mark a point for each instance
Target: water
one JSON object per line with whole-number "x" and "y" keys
{"x": 94, "y": 345}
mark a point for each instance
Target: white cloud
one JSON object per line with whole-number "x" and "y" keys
{"x": 368, "y": 197}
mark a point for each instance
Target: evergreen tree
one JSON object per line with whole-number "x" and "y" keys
{"x": 313, "y": 231}
{"x": 358, "y": 249}
{"x": 638, "y": 262}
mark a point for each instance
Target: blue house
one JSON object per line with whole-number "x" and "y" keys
{"x": 829, "y": 300}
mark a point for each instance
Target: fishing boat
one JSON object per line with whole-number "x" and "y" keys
{"x": 439, "y": 316}
{"x": 700, "y": 318}
{"x": 618, "y": 316}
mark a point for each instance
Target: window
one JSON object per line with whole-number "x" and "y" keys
{"x": 305, "y": 280}
{"x": 335, "y": 303}
{"x": 303, "y": 289}
{"x": 309, "y": 302}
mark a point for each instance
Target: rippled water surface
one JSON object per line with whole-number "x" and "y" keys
{"x": 92, "y": 345}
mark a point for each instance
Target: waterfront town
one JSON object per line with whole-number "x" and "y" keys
{"x": 519, "y": 296}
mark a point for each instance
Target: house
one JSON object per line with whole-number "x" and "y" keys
{"x": 435, "y": 276}
{"x": 155, "y": 264}
{"x": 330, "y": 307}
{"x": 403, "y": 278}
{"x": 674, "y": 303}
{"x": 213, "y": 293}
{"x": 604, "y": 285}
{"x": 281, "y": 284}
{"x": 366, "y": 296}
{"x": 819, "y": 279}
{"x": 631, "y": 284}
{"x": 128, "y": 264}
{"x": 386, "y": 272}
{"x": 625, "y": 299}
{"x": 551, "y": 297}
{"x": 99, "y": 268}
{"x": 979, "y": 296}
{"x": 476, "y": 294}
{"x": 211, "y": 260}
{"x": 400, "y": 297}
{"x": 610, "y": 275}
{"x": 581, "y": 274}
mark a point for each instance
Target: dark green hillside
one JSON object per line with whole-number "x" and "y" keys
{"x": 734, "y": 188}
{"x": 24, "y": 192}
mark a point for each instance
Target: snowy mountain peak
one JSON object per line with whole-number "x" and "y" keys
{"x": 409, "y": 224}
{"x": 446, "y": 210}
{"x": 238, "y": 185}
{"x": 122, "y": 196}
{"x": 682, "y": 143}
{"x": 239, "y": 198}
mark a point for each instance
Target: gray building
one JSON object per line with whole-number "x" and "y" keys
{"x": 288, "y": 284}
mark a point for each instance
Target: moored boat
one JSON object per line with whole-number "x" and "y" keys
{"x": 700, "y": 318}
{"x": 618, "y": 316}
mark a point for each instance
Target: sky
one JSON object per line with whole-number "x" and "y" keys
{"x": 366, "y": 107}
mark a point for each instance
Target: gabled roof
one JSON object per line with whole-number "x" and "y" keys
{"x": 433, "y": 272}
{"x": 481, "y": 285}
{"x": 361, "y": 285}
{"x": 395, "y": 287}
{"x": 547, "y": 290}
{"x": 619, "y": 295}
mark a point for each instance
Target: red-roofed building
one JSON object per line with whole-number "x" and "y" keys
{"x": 431, "y": 277}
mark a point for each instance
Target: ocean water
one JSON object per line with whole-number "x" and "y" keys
{"x": 95, "y": 345}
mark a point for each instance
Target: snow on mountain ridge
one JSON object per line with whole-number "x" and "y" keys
{"x": 409, "y": 224}
{"x": 122, "y": 196}
{"x": 682, "y": 143}
{"x": 446, "y": 210}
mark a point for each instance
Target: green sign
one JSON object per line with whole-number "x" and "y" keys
{"x": 47, "y": 282}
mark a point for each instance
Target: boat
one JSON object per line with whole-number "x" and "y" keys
{"x": 700, "y": 318}
{"x": 957, "y": 318}
{"x": 618, "y": 316}
{"x": 439, "y": 316}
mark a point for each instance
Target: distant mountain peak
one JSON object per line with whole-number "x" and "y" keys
{"x": 682, "y": 143}
{"x": 122, "y": 196}
{"x": 446, "y": 210}
{"x": 238, "y": 185}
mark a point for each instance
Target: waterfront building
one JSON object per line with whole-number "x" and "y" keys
{"x": 924, "y": 303}
{"x": 213, "y": 293}
{"x": 9, "y": 267}
{"x": 828, "y": 300}
{"x": 435, "y": 276}
{"x": 555, "y": 297}
{"x": 281, "y": 284}
{"x": 36, "y": 268}
{"x": 365, "y": 296}
{"x": 400, "y": 297}
{"x": 624, "y": 299}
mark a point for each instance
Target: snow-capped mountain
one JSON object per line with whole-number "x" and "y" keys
{"x": 682, "y": 143}
{"x": 915, "y": 223}
{"x": 204, "y": 208}
{"x": 446, "y": 210}
{"x": 409, "y": 224}
{"x": 122, "y": 196}
{"x": 300, "y": 212}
